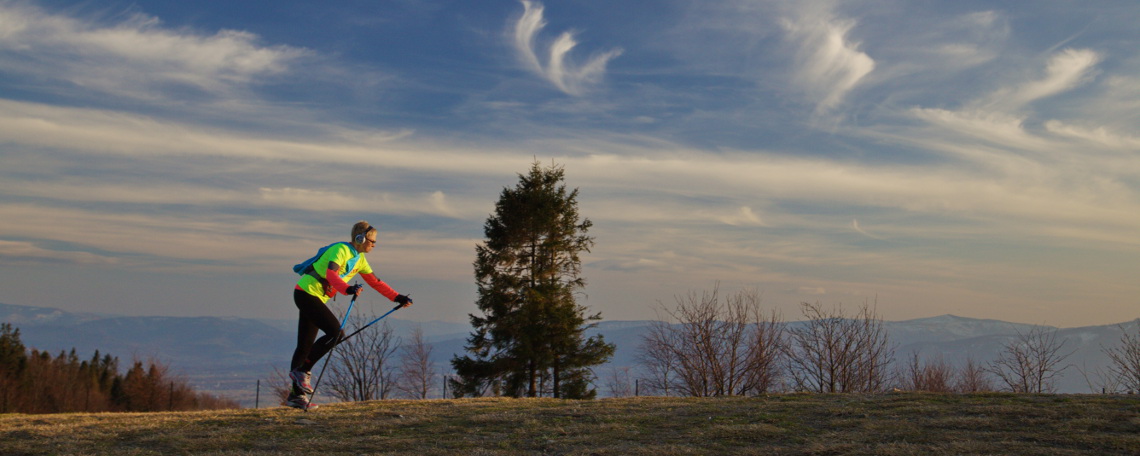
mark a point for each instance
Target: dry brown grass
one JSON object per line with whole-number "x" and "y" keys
{"x": 892, "y": 424}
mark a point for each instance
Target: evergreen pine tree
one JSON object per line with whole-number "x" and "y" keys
{"x": 13, "y": 362}
{"x": 528, "y": 270}
{"x": 13, "y": 355}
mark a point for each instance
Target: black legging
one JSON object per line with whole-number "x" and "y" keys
{"x": 314, "y": 315}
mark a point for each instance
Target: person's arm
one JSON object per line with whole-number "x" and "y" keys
{"x": 333, "y": 276}
{"x": 380, "y": 286}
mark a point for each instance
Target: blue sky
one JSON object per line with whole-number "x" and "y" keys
{"x": 974, "y": 158}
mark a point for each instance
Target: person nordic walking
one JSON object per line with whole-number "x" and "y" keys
{"x": 327, "y": 275}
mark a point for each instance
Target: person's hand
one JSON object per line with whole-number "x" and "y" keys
{"x": 354, "y": 290}
{"x": 403, "y": 300}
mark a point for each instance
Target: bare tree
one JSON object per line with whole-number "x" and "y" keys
{"x": 658, "y": 359}
{"x": 972, "y": 378}
{"x": 1030, "y": 362}
{"x": 934, "y": 376}
{"x": 280, "y": 385}
{"x": 620, "y": 382}
{"x": 765, "y": 350}
{"x": 1126, "y": 359}
{"x": 831, "y": 353}
{"x": 417, "y": 374}
{"x": 1102, "y": 379}
{"x": 362, "y": 368}
{"x": 713, "y": 347}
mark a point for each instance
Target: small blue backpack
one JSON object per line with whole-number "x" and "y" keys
{"x": 306, "y": 267}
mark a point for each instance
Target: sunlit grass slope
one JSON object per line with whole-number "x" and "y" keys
{"x": 892, "y": 424}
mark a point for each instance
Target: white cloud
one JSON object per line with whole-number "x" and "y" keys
{"x": 106, "y": 132}
{"x": 1101, "y": 136}
{"x": 1083, "y": 164}
{"x": 743, "y": 217}
{"x": 1014, "y": 187}
{"x": 441, "y": 205}
{"x": 137, "y": 57}
{"x": 957, "y": 43}
{"x": 181, "y": 193}
{"x": 938, "y": 158}
{"x": 1010, "y": 188}
{"x": 860, "y": 230}
{"x": 211, "y": 242}
{"x": 1066, "y": 70}
{"x": 23, "y": 252}
{"x": 828, "y": 63}
{"x": 990, "y": 127}
{"x": 635, "y": 265}
{"x": 317, "y": 200}
{"x": 558, "y": 68}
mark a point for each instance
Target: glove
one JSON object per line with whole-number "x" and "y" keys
{"x": 354, "y": 289}
{"x": 403, "y": 300}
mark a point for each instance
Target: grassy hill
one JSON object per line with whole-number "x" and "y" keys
{"x": 891, "y": 424}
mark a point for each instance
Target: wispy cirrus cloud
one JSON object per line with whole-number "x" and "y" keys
{"x": 557, "y": 67}
{"x": 137, "y": 57}
{"x": 14, "y": 252}
{"x": 952, "y": 168}
{"x": 1064, "y": 71}
{"x": 858, "y": 229}
{"x": 1101, "y": 136}
{"x": 744, "y": 217}
{"x": 828, "y": 63}
{"x": 999, "y": 119}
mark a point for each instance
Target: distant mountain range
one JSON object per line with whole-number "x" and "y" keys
{"x": 227, "y": 356}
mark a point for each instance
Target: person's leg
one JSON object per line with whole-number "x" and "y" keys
{"x": 317, "y": 314}
{"x": 306, "y": 328}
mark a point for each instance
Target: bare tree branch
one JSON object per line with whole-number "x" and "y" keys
{"x": 1030, "y": 362}
{"x": 417, "y": 374}
{"x": 361, "y": 368}
{"x": 831, "y": 353}
{"x": 1126, "y": 359}
{"x": 715, "y": 347}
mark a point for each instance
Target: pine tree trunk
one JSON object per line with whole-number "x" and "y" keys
{"x": 557, "y": 374}
{"x": 532, "y": 391}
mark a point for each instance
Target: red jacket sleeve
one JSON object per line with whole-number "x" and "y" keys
{"x": 335, "y": 281}
{"x": 380, "y": 286}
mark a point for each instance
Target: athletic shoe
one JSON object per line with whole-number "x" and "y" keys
{"x": 301, "y": 380}
{"x": 300, "y": 402}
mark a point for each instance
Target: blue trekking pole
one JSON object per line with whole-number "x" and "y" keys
{"x": 328, "y": 355}
{"x": 347, "y": 311}
{"x": 362, "y": 328}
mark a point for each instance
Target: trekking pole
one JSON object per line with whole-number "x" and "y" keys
{"x": 341, "y": 341}
{"x": 331, "y": 350}
{"x": 347, "y": 311}
{"x": 362, "y": 328}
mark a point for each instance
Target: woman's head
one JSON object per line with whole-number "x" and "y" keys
{"x": 363, "y": 236}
